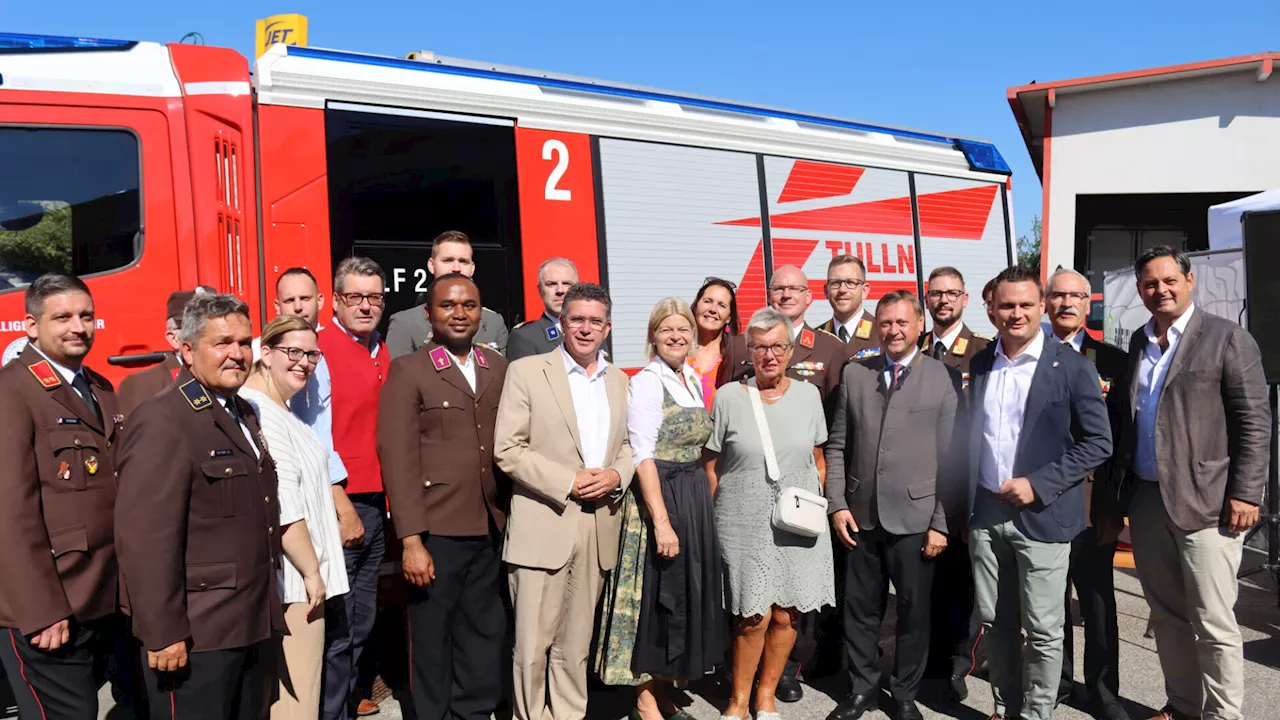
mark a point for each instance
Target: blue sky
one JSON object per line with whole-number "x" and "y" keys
{"x": 941, "y": 66}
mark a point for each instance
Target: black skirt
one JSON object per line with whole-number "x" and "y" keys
{"x": 683, "y": 631}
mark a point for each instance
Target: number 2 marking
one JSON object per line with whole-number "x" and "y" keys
{"x": 421, "y": 285}
{"x": 561, "y": 151}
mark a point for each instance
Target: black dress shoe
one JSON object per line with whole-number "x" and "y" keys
{"x": 855, "y": 706}
{"x": 1065, "y": 689}
{"x": 789, "y": 689}
{"x": 959, "y": 688}
{"x": 908, "y": 711}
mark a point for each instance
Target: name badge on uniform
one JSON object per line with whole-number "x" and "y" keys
{"x": 221, "y": 453}
{"x": 69, "y": 421}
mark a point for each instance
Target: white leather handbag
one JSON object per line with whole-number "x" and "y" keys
{"x": 795, "y": 510}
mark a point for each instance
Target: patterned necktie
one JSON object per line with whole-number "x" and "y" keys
{"x": 899, "y": 373}
{"x": 843, "y": 333}
{"x": 81, "y": 385}
{"x": 939, "y": 351}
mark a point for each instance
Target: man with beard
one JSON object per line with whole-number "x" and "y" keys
{"x": 58, "y": 600}
{"x": 950, "y": 341}
{"x": 846, "y": 289}
{"x": 451, "y": 252}
{"x": 555, "y": 277}
{"x": 435, "y": 437}
{"x": 198, "y": 528}
{"x": 1093, "y": 551}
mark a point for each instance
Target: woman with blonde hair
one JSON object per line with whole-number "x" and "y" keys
{"x": 313, "y": 567}
{"x": 664, "y": 616}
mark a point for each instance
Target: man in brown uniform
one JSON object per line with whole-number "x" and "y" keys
{"x": 144, "y": 384}
{"x": 58, "y": 597}
{"x": 198, "y": 528}
{"x": 846, "y": 289}
{"x": 436, "y": 420}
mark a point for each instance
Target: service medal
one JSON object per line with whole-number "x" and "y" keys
{"x": 91, "y": 465}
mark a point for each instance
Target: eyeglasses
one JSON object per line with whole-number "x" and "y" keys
{"x": 1063, "y": 295}
{"x": 355, "y": 299}
{"x": 774, "y": 350}
{"x": 948, "y": 294}
{"x": 721, "y": 281}
{"x": 578, "y": 321}
{"x": 845, "y": 284}
{"x": 295, "y": 354}
{"x": 793, "y": 289}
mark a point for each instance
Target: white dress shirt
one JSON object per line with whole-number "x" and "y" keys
{"x": 1004, "y": 405}
{"x": 947, "y": 340}
{"x": 850, "y": 327}
{"x": 303, "y": 493}
{"x": 890, "y": 362}
{"x": 235, "y": 414}
{"x": 468, "y": 367}
{"x": 645, "y": 399}
{"x": 1075, "y": 342}
{"x": 591, "y": 407}
{"x": 1151, "y": 373}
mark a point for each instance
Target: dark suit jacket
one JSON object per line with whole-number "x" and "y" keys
{"x": 1213, "y": 423}
{"x": 1065, "y": 436}
{"x": 58, "y": 485}
{"x": 886, "y": 456}
{"x": 1113, "y": 376}
{"x": 409, "y": 330}
{"x": 531, "y": 338}
{"x": 145, "y": 384}
{"x": 197, "y": 523}
{"x": 435, "y": 439}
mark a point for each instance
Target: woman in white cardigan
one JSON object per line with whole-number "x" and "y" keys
{"x": 313, "y": 567}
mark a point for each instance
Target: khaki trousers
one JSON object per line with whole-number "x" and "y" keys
{"x": 301, "y": 659}
{"x": 555, "y": 615}
{"x": 1189, "y": 579}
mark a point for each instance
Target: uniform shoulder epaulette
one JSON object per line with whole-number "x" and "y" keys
{"x": 982, "y": 337}
{"x": 520, "y": 324}
{"x": 195, "y": 394}
{"x": 822, "y": 329}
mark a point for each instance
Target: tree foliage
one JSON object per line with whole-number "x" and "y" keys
{"x": 43, "y": 247}
{"x": 1029, "y": 247}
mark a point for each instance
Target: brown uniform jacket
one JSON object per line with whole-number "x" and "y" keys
{"x": 145, "y": 384}
{"x": 865, "y": 342}
{"x": 57, "y": 491}
{"x": 962, "y": 351}
{"x": 197, "y": 523}
{"x": 817, "y": 358}
{"x": 435, "y": 440}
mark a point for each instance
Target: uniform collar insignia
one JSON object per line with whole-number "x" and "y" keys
{"x": 480, "y": 359}
{"x": 553, "y": 332}
{"x": 45, "y": 373}
{"x": 806, "y": 338}
{"x": 174, "y": 372}
{"x": 440, "y": 358}
{"x": 864, "y": 329}
{"x": 959, "y": 346}
{"x": 195, "y": 394}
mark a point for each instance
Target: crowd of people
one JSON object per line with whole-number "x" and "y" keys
{"x": 209, "y": 537}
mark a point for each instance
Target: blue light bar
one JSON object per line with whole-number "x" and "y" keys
{"x": 20, "y": 42}
{"x": 983, "y": 156}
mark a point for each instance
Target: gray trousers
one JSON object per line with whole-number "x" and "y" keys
{"x": 1019, "y": 584}
{"x": 1189, "y": 579}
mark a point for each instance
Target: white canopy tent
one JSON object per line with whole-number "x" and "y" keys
{"x": 1224, "y": 219}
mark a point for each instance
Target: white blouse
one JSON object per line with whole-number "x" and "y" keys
{"x": 302, "y": 473}
{"x": 645, "y": 398}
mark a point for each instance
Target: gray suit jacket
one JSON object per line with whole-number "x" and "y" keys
{"x": 1213, "y": 424}
{"x": 886, "y": 458}
{"x": 409, "y": 330}
{"x": 534, "y": 338}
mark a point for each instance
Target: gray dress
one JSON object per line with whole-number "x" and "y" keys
{"x": 765, "y": 566}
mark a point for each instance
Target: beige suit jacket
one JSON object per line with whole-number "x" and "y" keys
{"x": 537, "y": 445}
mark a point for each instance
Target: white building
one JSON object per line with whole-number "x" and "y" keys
{"x": 1134, "y": 159}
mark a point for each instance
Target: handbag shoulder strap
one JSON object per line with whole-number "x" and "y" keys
{"x": 766, "y": 439}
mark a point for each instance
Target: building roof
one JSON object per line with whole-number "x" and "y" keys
{"x": 1031, "y": 102}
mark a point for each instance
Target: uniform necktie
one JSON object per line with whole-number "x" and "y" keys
{"x": 843, "y": 333}
{"x": 939, "y": 351}
{"x": 81, "y": 385}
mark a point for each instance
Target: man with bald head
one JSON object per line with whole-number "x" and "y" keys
{"x": 1093, "y": 551}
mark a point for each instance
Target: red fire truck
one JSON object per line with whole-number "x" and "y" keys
{"x": 147, "y": 168}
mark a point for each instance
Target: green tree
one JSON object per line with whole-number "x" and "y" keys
{"x": 43, "y": 247}
{"x": 1029, "y": 247}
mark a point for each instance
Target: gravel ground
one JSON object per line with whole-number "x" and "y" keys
{"x": 1142, "y": 686}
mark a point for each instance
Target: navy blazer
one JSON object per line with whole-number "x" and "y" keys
{"x": 1066, "y": 434}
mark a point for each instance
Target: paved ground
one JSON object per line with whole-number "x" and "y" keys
{"x": 1141, "y": 681}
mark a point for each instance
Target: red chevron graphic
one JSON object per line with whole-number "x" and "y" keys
{"x": 809, "y": 180}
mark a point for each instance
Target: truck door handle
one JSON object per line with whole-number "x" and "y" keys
{"x": 136, "y": 359}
